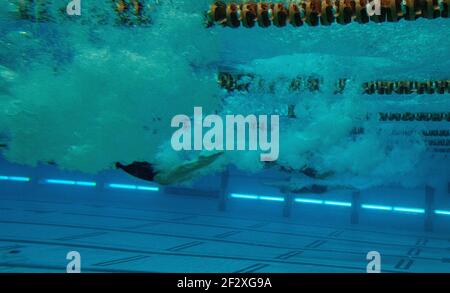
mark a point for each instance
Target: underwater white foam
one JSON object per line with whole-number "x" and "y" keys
{"x": 87, "y": 96}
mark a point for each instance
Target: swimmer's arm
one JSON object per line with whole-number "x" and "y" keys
{"x": 184, "y": 171}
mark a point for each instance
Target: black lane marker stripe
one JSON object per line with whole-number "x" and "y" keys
{"x": 162, "y": 253}
{"x": 320, "y": 243}
{"x": 409, "y": 264}
{"x": 399, "y": 264}
{"x": 10, "y": 247}
{"x": 310, "y": 245}
{"x": 159, "y": 234}
{"x": 404, "y": 264}
{"x": 258, "y": 225}
{"x": 415, "y": 251}
{"x": 39, "y": 211}
{"x": 261, "y": 231}
{"x": 421, "y": 242}
{"x": 192, "y": 238}
{"x": 336, "y": 233}
{"x": 142, "y": 225}
{"x": 184, "y": 218}
{"x": 316, "y": 244}
{"x": 252, "y": 268}
{"x": 446, "y": 260}
{"x": 184, "y": 246}
{"x": 62, "y": 269}
{"x": 225, "y": 217}
{"x": 227, "y": 234}
{"x": 289, "y": 254}
{"x": 121, "y": 260}
{"x": 81, "y": 236}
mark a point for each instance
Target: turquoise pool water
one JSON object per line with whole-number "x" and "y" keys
{"x": 364, "y": 141}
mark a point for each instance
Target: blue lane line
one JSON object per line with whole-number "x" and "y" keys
{"x": 133, "y": 187}
{"x": 338, "y": 203}
{"x": 148, "y": 188}
{"x": 325, "y": 202}
{"x": 308, "y": 200}
{"x": 281, "y": 199}
{"x": 409, "y": 210}
{"x": 244, "y": 196}
{"x": 376, "y": 207}
{"x": 368, "y": 206}
{"x": 70, "y": 182}
{"x": 15, "y": 178}
{"x": 271, "y": 198}
{"x": 442, "y": 212}
{"x": 236, "y": 195}
{"x": 257, "y": 197}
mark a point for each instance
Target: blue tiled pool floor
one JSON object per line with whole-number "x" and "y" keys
{"x": 37, "y": 233}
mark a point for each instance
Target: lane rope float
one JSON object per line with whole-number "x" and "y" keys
{"x": 321, "y": 12}
{"x": 245, "y": 82}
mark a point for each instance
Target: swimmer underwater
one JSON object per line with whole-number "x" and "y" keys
{"x": 147, "y": 171}
{"x": 186, "y": 171}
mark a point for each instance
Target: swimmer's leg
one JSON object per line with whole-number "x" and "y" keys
{"x": 185, "y": 171}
